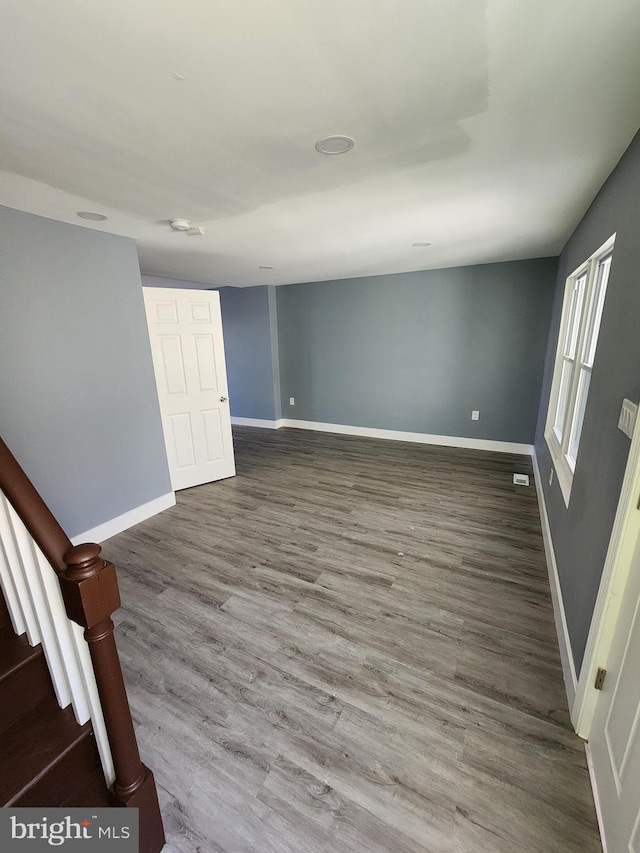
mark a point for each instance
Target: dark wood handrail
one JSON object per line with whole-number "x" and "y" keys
{"x": 90, "y": 592}
{"x": 35, "y": 514}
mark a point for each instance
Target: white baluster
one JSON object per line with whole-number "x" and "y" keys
{"x": 93, "y": 700}
{"x": 9, "y": 591}
{"x": 14, "y": 563}
{"x": 25, "y": 547}
{"x": 34, "y": 600}
{"x": 63, "y": 635}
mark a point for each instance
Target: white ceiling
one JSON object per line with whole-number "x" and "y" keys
{"x": 482, "y": 126}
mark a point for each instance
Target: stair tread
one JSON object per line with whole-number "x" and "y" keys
{"x": 94, "y": 793}
{"x": 35, "y": 743}
{"x": 15, "y": 651}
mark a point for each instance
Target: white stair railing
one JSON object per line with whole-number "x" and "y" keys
{"x": 34, "y": 601}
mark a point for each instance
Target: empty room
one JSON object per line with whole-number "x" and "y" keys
{"x": 319, "y": 447}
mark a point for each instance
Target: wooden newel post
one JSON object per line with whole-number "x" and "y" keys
{"x": 90, "y": 590}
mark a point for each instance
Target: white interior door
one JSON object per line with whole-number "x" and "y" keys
{"x": 615, "y": 733}
{"x": 185, "y": 328}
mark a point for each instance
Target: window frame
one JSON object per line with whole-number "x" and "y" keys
{"x": 576, "y": 348}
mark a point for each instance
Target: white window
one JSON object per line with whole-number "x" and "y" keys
{"x": 585, "y": 291}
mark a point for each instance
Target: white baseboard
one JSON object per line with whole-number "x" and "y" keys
{"x": 416, "y": 437}
{"x": 596, "y": 795}
{"x": 566, "y": 655}
{"x": 126, "y": 520}
{"x": 390, "y": 435}
{"x": 255, "y": 422}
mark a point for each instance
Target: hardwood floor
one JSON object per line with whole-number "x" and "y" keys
{"x": 350, "y": 647}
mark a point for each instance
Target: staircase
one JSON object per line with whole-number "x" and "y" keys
{"x": 46, "y": 758}
{"x": 66, "y": 733}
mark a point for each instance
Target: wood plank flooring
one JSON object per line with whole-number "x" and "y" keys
{"x": 350, "y": 648}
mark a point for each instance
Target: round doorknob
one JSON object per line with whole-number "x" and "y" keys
{"x": 223, "y": 399}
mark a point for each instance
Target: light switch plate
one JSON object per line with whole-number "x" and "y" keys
{"x": 628, "y": 415}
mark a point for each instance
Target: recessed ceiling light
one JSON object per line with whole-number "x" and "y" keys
{"x": 94, "y": 217}
{"x": 335, "y": 145}
{"x": 421, "y": 245}
{"x": 265, "y": 268}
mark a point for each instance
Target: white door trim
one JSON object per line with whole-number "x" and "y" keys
{"x": 626, "y": 528}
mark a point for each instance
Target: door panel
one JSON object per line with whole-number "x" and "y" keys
{"x": 185, "y": 330}
{"x": 206, "y": 362}
{"x": 214, "y": 435}
{"x": 200, "y": 312}
{"x": 173, "y": 364}
{"x": 183, "y": 443}
{"x": 166, "y": 312}
{"x": 615, "y": 734}
{"x": 621, "y": 729}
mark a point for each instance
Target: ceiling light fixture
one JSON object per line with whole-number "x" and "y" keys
{"x": 93, "y": 217}
{"x": 421, "y": 245}
{"x": 185, "y": 227}
{"x": 180, "y": 224}
{"x": 335, "y": 145}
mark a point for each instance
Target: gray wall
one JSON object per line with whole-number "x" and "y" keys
{"x": 247, "y": 329}
{"x": 78, "y": 402}
{"x": 275, "y": 351}
{"x": 581, "y": 533}
{"x": 419, "y": 351}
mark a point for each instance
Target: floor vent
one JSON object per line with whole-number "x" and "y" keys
{"x": 521, "y": 479}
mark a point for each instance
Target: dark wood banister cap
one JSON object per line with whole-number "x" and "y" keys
{"x": 83, "y": 560}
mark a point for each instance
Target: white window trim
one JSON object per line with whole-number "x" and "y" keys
{"x": 563, "y": 465}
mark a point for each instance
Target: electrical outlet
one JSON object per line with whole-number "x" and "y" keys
{"x": 551, "y": 476}
{"x": 628, "y": 415}
{"x": 292, "y": 401}
{"x": 475, "y": 415}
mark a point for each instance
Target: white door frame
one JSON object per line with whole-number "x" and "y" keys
{"x": 624, "y": 535}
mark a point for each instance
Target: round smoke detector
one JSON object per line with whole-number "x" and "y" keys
{"x": 335, "y": 145}
{"x": 180, "y": 224}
